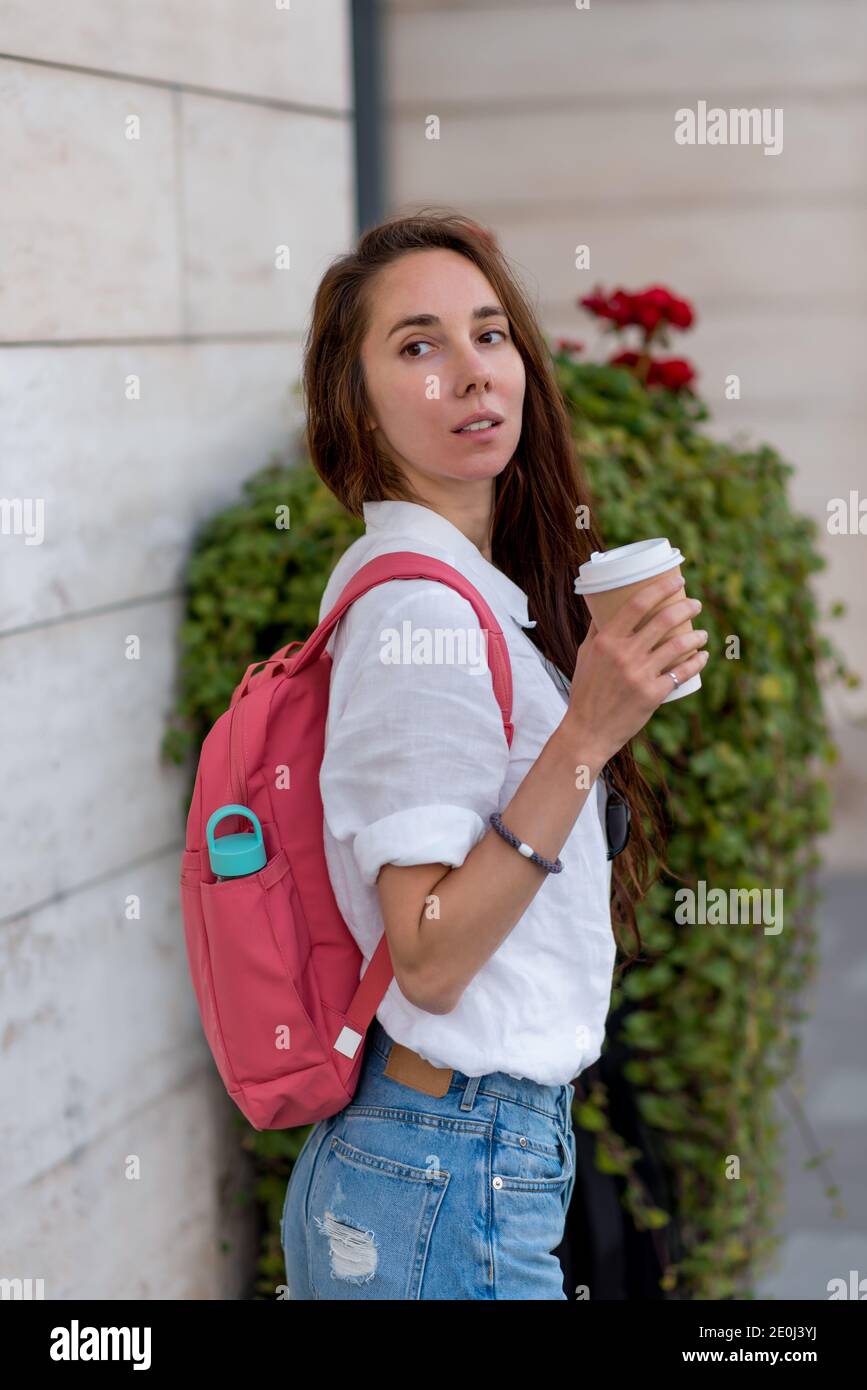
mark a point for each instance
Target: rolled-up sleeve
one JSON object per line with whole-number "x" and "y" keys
{"x": 415, "y": 753}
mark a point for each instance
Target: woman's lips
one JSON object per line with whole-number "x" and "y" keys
{"x": 477, "y": 434}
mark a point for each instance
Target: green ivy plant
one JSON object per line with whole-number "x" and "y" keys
{"x": 712, "y": 1019}
{"x": 712, "y": 1023}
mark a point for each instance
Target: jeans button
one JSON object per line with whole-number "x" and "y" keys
{"x": 523, "y": 1141}
{"x": 497, "y": 1182}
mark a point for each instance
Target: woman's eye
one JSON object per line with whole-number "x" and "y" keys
{"x": 420, "y": 342}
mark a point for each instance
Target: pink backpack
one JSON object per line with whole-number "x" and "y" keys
{"x": 274, "y": 966}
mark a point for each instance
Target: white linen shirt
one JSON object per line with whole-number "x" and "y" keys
{"x": 415, "y": 761}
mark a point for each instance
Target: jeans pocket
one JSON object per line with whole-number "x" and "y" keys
{"x": 529, "y": 1163}
{"x": 371, "y": 1221}
{"x": 531, "y": 1175}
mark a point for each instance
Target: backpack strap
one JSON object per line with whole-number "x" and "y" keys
{"x": 405, "y": 564}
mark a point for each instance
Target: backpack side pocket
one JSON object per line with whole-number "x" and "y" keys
{"x": 258, "y": 976}
{"x": 198, "y": 955}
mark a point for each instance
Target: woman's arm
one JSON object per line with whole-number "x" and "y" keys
{"x": 443, "y": 924}
{"x": 619, "y": 680}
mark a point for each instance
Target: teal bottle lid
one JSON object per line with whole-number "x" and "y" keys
{"x": 233, "y": 856}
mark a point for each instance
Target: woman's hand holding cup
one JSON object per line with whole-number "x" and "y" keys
{"x": 621, "y": 670}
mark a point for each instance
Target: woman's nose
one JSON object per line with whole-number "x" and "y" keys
{"x": 472, "y": 368}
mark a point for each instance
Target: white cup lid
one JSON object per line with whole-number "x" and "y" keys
{"x": 626, "y": 564}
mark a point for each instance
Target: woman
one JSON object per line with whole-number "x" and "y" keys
{"x": 450, "y": 1174}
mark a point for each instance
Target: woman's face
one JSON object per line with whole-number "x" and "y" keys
{"x": 424, "y": 379}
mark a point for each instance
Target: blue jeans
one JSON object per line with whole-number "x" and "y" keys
{"x": 405, "y": 1195}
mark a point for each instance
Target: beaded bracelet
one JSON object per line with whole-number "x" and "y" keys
{"x": 522, "y": 847}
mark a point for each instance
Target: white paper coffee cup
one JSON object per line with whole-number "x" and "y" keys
{"x": 610, "y": 577}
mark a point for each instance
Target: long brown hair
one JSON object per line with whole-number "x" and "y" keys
{"x": 534, "y": 536}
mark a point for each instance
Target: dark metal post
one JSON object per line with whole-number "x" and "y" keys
{"x": 367, "y": 72}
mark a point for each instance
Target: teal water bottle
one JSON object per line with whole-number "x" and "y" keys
{"x": 235, "y": 856}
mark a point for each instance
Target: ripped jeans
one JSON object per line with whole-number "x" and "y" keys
{"x": 406, "y": 1195}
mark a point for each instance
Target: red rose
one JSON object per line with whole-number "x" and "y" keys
{"x": 649, "y": 309}
{"x": 674, "y": 373}
{"x": 645, "y": 309}
{"x": 597, "y": 304}
{"x": 645, "y": 313}
{"x": 675, "y": 311}
{"x": 655, "y": 305}
{"x": 617, "y": 307}
{"x": 680, "y": 314}
{"x": 621, "y": 308}
{"x": 569, "y": 345}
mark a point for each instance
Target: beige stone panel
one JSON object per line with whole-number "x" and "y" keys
{"x": 545, "y": 158}
{"x": 758, "y": 259}
{"x": 79, "y": 747}
{"x": 514, "y": 51}
{"x": 89, "y": 241}
{"x": 125, "y": 482}
{"x": 93, "y": 999}
{"x": 299, "y": 53}
{"x": 256, "y": 180}
{"x": 176, "y": 1232}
